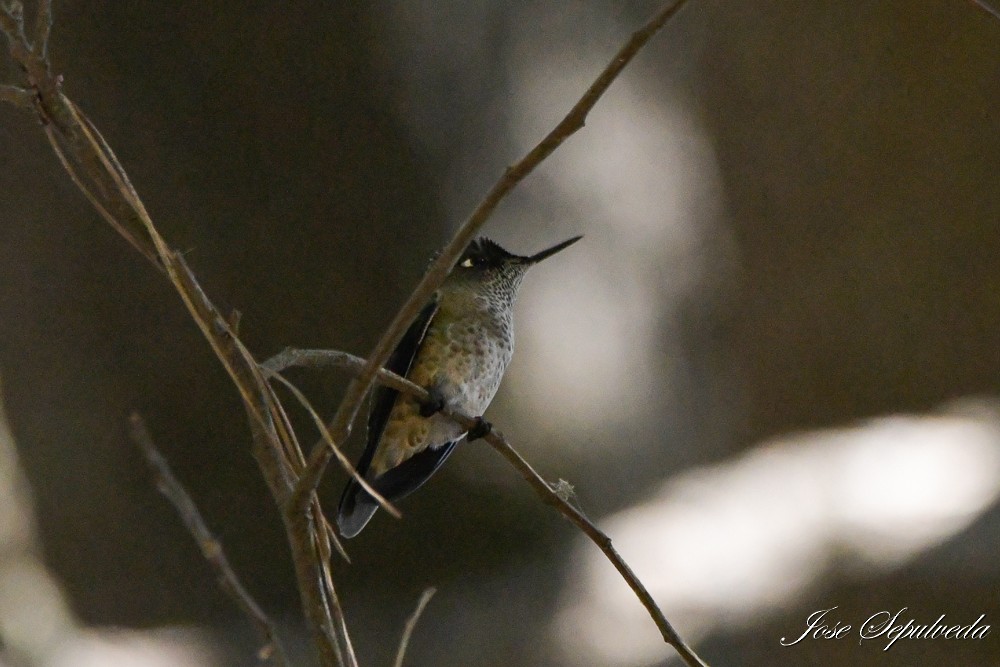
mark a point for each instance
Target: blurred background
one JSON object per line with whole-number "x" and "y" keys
{"x": 770, "y": 370}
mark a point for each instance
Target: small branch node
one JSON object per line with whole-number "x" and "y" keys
{"x": 564, "y": 490}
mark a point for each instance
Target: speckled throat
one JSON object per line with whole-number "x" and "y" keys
{"x": 458, "y": 348}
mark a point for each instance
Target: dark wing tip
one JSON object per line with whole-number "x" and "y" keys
{"x": 357, "y": 508}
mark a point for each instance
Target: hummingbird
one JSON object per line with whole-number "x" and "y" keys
{"x": 458, "y": 349}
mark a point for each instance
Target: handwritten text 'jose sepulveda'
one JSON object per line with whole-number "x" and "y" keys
{"x": 890, "y": 627}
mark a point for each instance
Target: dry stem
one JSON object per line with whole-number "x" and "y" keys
{"x": 340, "y": 427}
{"x": 550, "y": 494}
{"x": 92, "y": 165}
{"x": 411, "y": 623}
{"x": 210, "y": 547}
{"x": 94, "y": 168}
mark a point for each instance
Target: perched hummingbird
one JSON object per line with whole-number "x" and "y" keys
{"x": 457, "y": 349}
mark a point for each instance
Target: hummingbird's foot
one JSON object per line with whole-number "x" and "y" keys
{"x": 433, "y": 404}
{"x": 480, "y": 429}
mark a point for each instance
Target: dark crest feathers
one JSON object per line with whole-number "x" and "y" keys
{"x": 489, "y": 253}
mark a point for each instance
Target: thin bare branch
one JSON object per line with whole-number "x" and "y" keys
{"x": 92, "y": 164}
{"x": 551, "y": 496}
{"x": 344, "y": 461}
{"x": 43, "y": 28}
{"x": 94, "y": 168}
{"x": 293, "y": 357}
{"x": 12, "y": 26}
{"x": 72, "y": 135}
{"x": 411, "y": 623}
{"x": 210, "y": 547}
{"x": 271, "y": 449}
{"x": 310, "y": 570}
{"x": 55, "y": 142}
{"x": 12, "y": 21}
{"x": 340, "y": 426}
{"x": 315, "y": 585}
{"x": 555, "y": 495}
{"x": 336, "y": 610}
{"x": 19, "y": 97}
{"x": 988, "y": 8}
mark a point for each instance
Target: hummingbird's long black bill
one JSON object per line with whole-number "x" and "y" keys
{"x": 536, "y": 258}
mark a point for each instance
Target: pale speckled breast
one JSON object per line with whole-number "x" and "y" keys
{"x": 466, "y": 359}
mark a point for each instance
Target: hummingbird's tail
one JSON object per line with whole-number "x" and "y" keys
{"x": 357, "y": 507}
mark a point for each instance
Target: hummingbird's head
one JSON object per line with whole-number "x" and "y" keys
{"x": 492, "y": 271}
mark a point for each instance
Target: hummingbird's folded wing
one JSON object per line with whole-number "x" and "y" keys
{"x": 356, "y": 505}
{"x": 384, "y": 398}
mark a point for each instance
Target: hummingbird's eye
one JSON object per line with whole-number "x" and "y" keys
{"x": 473, "y": 262}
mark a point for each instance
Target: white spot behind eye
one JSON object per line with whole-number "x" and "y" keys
{"x": 466, "y": 264}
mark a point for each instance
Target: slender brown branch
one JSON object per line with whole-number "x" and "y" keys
{"x": 43, "y": 28}
{"x": 553, "y": 495}
{"x": 303, "y": 528}
{"x": 411, "y": 623}
{"x": 72, "y": 134}
{"x": 210, "y": 547}
{"x": 988, "y": 8}
{"x": 271, "y": 449}
{"x": 344, "y": 461}
{"x": 310, "y": 574}
{"x": 12, "y": 20}
{"x": 337, "y": 611}
{"x": 340, "y": 426}
{"x": 94, "y": 168}
{"x": 19, "y": 97}
{"x": 303, "y": 358}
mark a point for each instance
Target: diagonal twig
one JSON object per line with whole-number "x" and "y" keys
{"x": 553, "y": 495}
{"x": 70, "y": 134}
{"x": 411, "y": 623}
{"x": 986, "y": 7}
{"x": 210, "y": 547}
{"x": 343, "y": 419}
{"x": 12, "y": 19}
{"x": 19, "y": 97}
{"x": 43, "y": 28}
{"x": 344, "y": 461}
{"x": 101, "y": 177}
{"x": 93, "y": 166}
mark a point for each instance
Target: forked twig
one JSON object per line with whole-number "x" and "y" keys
{"x": 92, "y": 164}
{"x": 94, "y": 168}
{"x": 344, "y": 461}
{"x": 550, "y": 494}
{"x": 411, "y": 623}
{"x": 209, "y": 546}
{"x": 340, "y": 426}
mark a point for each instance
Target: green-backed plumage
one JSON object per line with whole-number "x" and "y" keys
{"x": 458, "y": 348}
